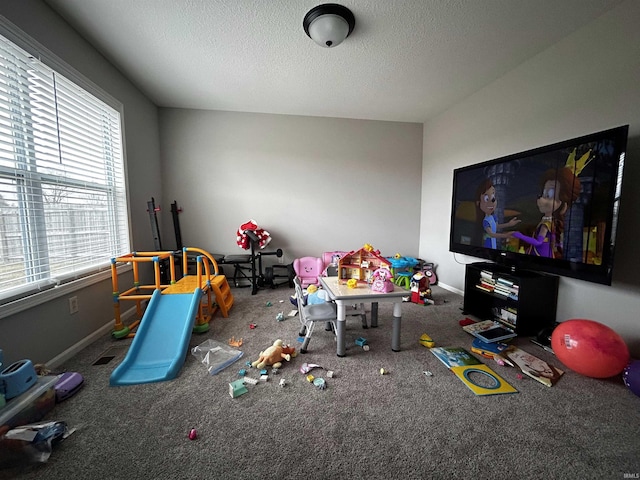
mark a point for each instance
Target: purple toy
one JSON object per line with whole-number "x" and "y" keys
{"x": 631, "y": 376}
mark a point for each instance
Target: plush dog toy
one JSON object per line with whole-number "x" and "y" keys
{"x": 274, "y": 355}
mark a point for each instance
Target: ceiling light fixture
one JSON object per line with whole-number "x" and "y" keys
{"x": 329, "y": 24}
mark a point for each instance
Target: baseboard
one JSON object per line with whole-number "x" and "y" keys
{"x": 450, "y": 288}
{"x": 85, "y": 342}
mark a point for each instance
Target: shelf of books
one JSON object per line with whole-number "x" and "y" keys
{"x": 499, "y": 285}
{"x": 523, "y": 301}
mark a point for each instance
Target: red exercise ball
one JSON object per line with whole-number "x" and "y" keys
{"x": 590, "y": 348}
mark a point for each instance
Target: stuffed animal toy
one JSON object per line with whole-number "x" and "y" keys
{"x": 274, "y": 355}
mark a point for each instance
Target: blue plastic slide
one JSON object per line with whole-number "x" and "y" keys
{"x": 160, "y": 346}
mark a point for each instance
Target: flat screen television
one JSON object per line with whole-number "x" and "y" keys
{"x": 553, "y": 209}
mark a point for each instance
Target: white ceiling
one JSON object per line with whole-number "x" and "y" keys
{"x": 406, "y": 60}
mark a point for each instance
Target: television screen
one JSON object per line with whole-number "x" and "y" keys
{"x": 552, "y": 209}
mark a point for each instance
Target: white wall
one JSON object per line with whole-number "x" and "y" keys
{"x": 585, "y": 83}
{"x": 42, "y": 333}
{"x": 315, "y": 184}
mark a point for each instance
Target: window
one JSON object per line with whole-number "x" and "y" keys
{"x": 63, "y": 207}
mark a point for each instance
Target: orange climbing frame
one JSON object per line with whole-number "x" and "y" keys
{"x": 215, "y": 288}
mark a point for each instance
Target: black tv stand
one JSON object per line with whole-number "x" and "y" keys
{"x": 522, "y": 299}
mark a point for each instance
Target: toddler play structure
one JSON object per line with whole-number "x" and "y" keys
{"x": 162, "y": 333}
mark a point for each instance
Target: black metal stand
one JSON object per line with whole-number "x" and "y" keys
{"x": 258, "y": 277}
{"x": 157, "y": 242}
{"x": 254, "y": 277}
{"x": 175, "y": 211}
{"x": 269, "y": 276}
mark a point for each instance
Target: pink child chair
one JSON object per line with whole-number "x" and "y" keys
{"x": 308, "y": 269}
{"x": 329, "y": 259}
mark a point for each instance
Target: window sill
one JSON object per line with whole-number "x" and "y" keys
{"x": 40, "y": 298}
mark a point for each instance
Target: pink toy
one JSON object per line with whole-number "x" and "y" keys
{"x": 308, "y": 269}
{"x": 331, "y": 258}
{"x": 382, "y": 281}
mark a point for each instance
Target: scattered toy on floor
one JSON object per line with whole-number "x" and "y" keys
{"x": 320, "y": 384}
{"x": 307, "y": 367}
{"x": 420, "y": 289}
{"x": 237, "y": 388}
{"x": 274, "y": 355}
{"x": 427, "y": 341}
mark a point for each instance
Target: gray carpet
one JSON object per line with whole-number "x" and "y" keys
{"x": 364, "y": 425}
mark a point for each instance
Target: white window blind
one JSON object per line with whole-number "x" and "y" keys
{"x": 63, "y": 209}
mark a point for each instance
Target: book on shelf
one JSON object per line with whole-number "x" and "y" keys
{"x": 486, "y": 275}
{"x": 506, "y": 315}
{"x": 507, "y": 323}
{"x": 531, "y": 365}
{"x": 504, "y": 281}
{"x": 506, "y": 291}
{"x": 483, "y": 288}
{"x": 488, "y": 286}
{"x": 489, "y": 331}
{"x": 501, "y": 291}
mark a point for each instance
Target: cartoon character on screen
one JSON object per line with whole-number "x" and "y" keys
{"x": 560, "y": 188}
{"x": 486, "y": 203}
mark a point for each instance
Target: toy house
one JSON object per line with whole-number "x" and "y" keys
{"x": 360, "y": 264}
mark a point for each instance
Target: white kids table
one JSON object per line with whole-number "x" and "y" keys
{"x": 344, "y": 296}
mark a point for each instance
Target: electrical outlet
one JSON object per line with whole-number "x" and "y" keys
{"x": 73, "y": 304}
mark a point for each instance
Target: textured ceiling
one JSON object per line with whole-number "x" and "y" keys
{"x": 406, "y": 60}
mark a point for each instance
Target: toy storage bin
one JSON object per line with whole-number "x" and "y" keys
{"x": 32, "y": 405}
